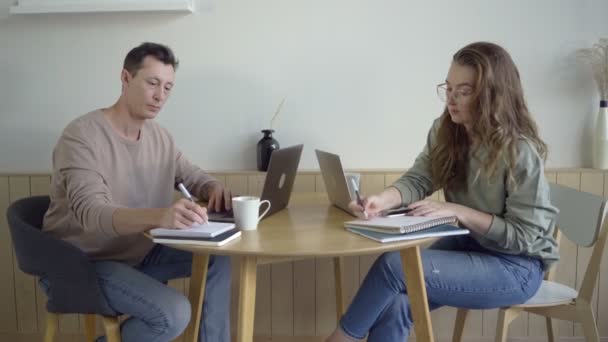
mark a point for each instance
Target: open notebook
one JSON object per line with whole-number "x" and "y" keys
{"x": 400, "y": 224}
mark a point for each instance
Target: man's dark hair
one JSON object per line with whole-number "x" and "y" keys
{"x": 160, "y": 52}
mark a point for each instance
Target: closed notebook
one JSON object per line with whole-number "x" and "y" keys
{"x": 218, "y": 240}
{"x": 205, "y": 230}
{"x": 442, "y": 230}
{"x": 400, "y": 224}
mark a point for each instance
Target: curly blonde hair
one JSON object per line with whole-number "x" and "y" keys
{"x": 500, "y": 119}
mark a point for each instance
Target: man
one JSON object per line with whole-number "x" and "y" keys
{"x": 114, "y": 171}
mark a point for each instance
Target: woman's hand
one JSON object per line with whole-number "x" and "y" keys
{"x": 429, "y": 207}
{"x": 373, "y": 205}
{"x": 470, "y": 218}
{"x": 370, "y": 207}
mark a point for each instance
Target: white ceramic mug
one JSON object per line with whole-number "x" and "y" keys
{"x": 246, "y": 210}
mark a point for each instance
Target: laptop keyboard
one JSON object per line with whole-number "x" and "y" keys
{"x": 227, "y": 213}
{"x": 222, "y": 214}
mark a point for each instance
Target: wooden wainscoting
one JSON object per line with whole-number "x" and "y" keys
{"x": 295, "y": 300}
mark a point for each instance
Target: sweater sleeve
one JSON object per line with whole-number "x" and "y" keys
{"x": 194, "y": 178}
{"x": 416, "y": 183}
{"x": 87, "y": 191}
{"x": 528, "y": 215}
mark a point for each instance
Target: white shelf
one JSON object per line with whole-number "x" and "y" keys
{"x": 87, "y": 6}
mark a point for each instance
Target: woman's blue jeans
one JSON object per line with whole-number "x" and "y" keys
{"x": 457, "y": 271}
{"x": 157, "y": 312}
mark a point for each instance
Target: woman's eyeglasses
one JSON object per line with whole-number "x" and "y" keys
{"x": 444, "y": 92}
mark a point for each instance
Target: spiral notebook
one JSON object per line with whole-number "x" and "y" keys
{"x": 400, "y": 224}
{"x": 437, "y": 231}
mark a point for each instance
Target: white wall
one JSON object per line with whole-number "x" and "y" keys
{"x": 359, "y": 76}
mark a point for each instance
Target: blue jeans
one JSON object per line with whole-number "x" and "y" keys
{"x": 157, "y": 312}
{"x": 457, "y": 271}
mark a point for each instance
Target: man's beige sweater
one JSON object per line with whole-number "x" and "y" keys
{"x": 96, "y": 171}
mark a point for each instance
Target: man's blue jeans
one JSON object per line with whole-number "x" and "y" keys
{"x": 157, "y": 312}
{"x": 457, "y": 271}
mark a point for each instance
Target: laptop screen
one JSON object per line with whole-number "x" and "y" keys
{"x": 278, "y": 185}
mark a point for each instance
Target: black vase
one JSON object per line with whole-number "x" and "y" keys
{"x": 265, "y": 147}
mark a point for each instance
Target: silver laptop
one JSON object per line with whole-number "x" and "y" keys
{"x": 279, "y": 181}
{"x": 338, "y": 190}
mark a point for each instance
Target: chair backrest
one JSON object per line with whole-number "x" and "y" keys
{"x": 580, "y": 215}
{"x": 582, "y": 220}
{"x": 25, "y": 221}
{"x": 72, "y": 278}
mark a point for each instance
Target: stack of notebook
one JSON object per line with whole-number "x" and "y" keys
{"x": 208, "y": 234}
{"x": 387, "y": 229}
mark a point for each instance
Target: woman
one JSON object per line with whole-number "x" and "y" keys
{"x": 485, "y": 153}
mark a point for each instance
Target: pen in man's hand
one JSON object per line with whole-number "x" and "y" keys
{"x": 186, "y": 194}
{"x": 184, "y": 191}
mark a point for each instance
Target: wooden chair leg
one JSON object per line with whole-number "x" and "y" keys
{"x": 461, "y": 318}
{"x": 51, "y": 327}
{"x": 90, "y": 332}
{"x": 112, "y": 327}
{"x": 585, "y": 314}
{"x": 338, "y": 266}
{"x": 550, "y": 329}
{"x": 505, "y": 317}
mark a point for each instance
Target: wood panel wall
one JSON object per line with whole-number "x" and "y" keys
{"x": 295, "y": 300}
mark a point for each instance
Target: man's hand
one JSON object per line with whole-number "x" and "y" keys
{"x": 219, "y": 198}
{"x": 183, "y": 214}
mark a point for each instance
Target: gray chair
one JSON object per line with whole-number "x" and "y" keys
{"x": 73, "y": 286}
{"x": 582, "y": 220}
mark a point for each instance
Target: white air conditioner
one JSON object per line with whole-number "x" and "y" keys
{"x": 83, "y": 6}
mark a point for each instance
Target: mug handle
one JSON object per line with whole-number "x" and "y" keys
{"x": 265, "y": 211}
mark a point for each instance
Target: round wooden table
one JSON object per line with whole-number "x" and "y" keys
{"x": 310, "y": 227}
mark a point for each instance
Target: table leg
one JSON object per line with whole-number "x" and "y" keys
{"x": 246, "y": 313}
{"x": 412, "y": 267}
{"x": 198, "y": 278}
{"x": 338, "y": 263}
